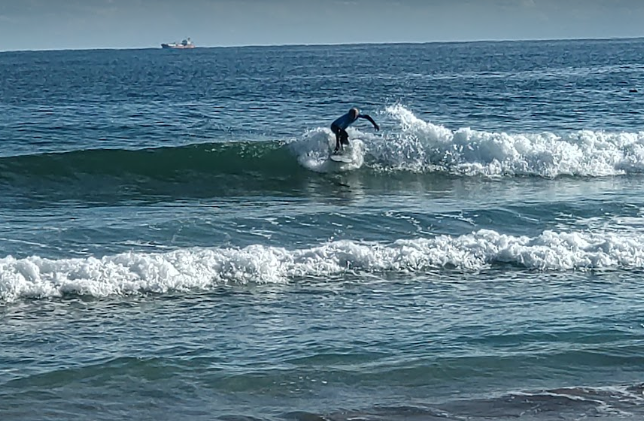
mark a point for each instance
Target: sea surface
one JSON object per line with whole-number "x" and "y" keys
{"x": 175, "y": 243}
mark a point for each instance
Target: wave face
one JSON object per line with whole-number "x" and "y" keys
{"x": 205, "y": 268}
{"x": 171, "y": 163}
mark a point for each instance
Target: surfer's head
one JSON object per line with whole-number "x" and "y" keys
{"x": 354, "y": 112}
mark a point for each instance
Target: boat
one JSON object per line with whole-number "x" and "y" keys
{"x": 186, "y": 43}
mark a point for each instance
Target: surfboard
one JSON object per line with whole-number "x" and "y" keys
{"x": 339, "y": 157}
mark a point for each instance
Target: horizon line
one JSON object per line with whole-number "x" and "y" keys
{"x": 323, "y": 44}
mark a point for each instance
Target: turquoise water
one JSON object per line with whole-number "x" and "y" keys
{"x": 174, "y": 241}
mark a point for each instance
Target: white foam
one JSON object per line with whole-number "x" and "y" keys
{"x": 312, "y": 152}
{"x": 420, "y": 146}
{"x": 201, "y": 269}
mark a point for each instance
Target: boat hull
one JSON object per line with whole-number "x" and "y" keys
{"x": 177, "y": 47}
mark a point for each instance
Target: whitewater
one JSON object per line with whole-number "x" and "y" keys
{"x": 186, "y": 270}
{"x": 420, "y": 146}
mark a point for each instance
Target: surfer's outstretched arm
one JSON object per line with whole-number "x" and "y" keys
{"x": 366, "y": 117}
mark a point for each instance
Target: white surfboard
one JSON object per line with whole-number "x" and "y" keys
{"x": 341, "y": 157}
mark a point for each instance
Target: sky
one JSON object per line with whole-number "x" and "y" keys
{"x": 88, "y": 24}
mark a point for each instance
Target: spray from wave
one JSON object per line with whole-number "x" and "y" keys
{"x": 204, "y": 268}
{"x": 420, "y": 146}
{"x": 312, "y": 152}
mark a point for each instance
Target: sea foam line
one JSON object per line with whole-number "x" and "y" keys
{"x": 204, "y": 268}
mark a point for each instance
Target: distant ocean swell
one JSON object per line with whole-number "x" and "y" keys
{"x": 204, "y": 268}
{"x": 407, "y": 144}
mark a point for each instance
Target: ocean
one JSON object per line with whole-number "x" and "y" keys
{"x": 176, "y": 244}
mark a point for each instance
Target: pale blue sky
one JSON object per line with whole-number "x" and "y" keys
{"x": 65, "y": 24}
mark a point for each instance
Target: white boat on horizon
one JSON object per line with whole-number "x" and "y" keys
{"x": 186, "y": 43}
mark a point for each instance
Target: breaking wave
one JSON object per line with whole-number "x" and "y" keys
{"x": 407, "y": 144}
{"x": 422, "y": 146}
{"x": 205, "y": 268}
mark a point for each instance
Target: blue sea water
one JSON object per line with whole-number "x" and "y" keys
{"x": 176, "y": 244}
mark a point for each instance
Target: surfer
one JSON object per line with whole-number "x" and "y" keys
{"x": 339, "y": 126}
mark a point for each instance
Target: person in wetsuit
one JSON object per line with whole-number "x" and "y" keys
{"x": 339, "y": 127}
